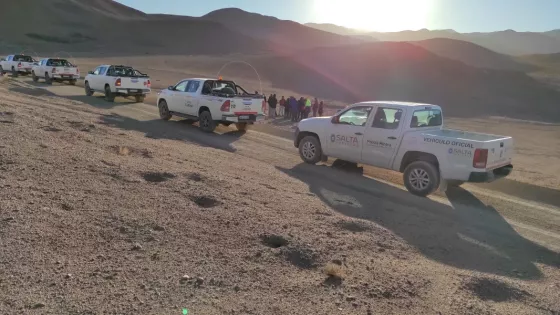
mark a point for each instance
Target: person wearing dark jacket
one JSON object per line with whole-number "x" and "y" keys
{"x": 321, "y": 109}
{"x": 301, "y": 108}
{"x": 294, "y": 109}
{"x": 272, "y": 101}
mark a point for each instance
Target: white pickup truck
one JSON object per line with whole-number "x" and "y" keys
{"x": 117, "y": 80}
{"x": 211, "y": 102}
{"x": 57, "y": 70}
{"x": 408, "y": 138}
{"x": 17, "y": 64}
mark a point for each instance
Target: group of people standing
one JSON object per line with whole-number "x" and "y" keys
{"x": 294, "y": 109}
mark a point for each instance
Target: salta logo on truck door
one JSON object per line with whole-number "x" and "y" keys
{"x": 345, "y": 140}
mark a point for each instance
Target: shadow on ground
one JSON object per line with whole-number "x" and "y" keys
{"x": 182, "y": 130}
{"x": 467, "y": 235}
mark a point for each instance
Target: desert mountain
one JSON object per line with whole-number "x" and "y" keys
{"x": 279, "y": 32}
{"x": 505, "y": 42}
{"x": 404, "y": 71}
{"x": 333, "y": 28}
{"x": 472, "y": 54}
{"x": 106, "y": 27}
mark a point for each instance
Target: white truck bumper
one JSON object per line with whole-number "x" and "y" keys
{"x": 249, "y": 118}
{"x": 133, "y": 91}
{"x": 65, "y": 76}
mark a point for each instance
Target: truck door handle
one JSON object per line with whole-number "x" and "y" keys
{"x": 358, "y": 133}
{"x": 392, "y": 138}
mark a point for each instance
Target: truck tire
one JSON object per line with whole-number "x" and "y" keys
{"x": 15, "y": 74}
{"x": 454, "y": 183}
{"x": 310, "y": 150}
{"x": 206, "y": 123}
{"x": 241, "y": 126}
{"x": 109, "y": 96}
{"x": 421, "y": 178}
{"x": 72, "y": 82}
{"x": 48, "y": 79}
{"x": 140, "y": 98}
{"x": 35, "y": 77}
{"x": 164, "y": 112}
{"x": 87, "y": 88}
{"x": 2, "y": 72}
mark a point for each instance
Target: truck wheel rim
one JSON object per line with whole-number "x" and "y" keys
{"x": 308, "y": 150}
{"x": 205, "y": 123}
{"x": 419, "y": 179}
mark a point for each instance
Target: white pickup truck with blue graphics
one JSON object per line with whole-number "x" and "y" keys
{"x": 407, "y": 138}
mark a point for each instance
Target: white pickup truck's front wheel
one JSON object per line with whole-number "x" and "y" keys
{"x": 421, "y": 178}
{"x": 310, "y": 150}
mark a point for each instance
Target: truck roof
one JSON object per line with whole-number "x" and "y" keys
{"x": 397, "y": 103}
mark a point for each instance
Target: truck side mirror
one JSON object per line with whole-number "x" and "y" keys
{"x": 90, "y": 72}
{"x": 170, "y": 88}
{"x": 335, "y": 120}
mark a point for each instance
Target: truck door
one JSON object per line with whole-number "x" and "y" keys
{"x": 383, "y": 136}
{"x": 191, "y": 99}
{"x": 177, "y": 103}
{"x": 346, "y": 134}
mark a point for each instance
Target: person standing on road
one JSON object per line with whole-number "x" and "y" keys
{"x": 321, "y": 109}
{"x": 294, "y": 108}
{"x": 307, "y": 109}
{"x": 301, "y": 108}
{"x": 272, "y": 101}
{"x": 315, "y": 107}
{"x": 282, "y": 107}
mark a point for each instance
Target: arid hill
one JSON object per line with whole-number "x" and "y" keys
{"x": 280, "y": 32}
{"x": 472, "y": 54}
{"x": 105, "y": 27}
{"x": 404, "y": 71}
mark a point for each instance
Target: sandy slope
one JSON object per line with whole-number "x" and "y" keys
{"x": 107, "y": 209}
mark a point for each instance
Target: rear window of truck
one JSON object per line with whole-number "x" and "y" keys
{"x": 58, "y": 63}
{"x": 426, "y": 118}
{"x": 23, "y": 58}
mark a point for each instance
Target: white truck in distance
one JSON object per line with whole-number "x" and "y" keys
{"x": 117, "y": 80}
{"x": 408, "y": 138}
{"x": 17, "y": 64}
{"x": 57, "y": 70}
{"x": 211, "y": 102}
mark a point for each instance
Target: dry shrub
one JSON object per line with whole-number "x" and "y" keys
{"x": 334, "y": 271}
{"x": 123, "y": 151}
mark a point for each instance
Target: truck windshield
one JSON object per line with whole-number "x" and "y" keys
{"x": 426, "y": 118}
{"x": 23, "y": 58}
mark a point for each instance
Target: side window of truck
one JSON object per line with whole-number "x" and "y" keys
{"x": 97, "y": 71}
{"x": 426, "y": 118}
{"x": 192, "y": 87}
{"x": 356, "y": 116}
{"x": 387, "y": 118}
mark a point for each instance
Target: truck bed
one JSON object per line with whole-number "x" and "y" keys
{"x": 465, "y": 135}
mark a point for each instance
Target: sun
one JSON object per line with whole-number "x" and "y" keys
{"x": 375, "y": 15}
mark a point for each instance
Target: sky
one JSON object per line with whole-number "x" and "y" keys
{"x": 384, "y": 15}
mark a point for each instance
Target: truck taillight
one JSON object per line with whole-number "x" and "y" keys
{"x": 53, "y": 70}
{"x": 19, "y": 65}
{"x": 118, "y": 82}
{"x": 225, "y": 106}
{"x": 480, "y": 158}
{"x": 263, "y": 106}
{"x": 77, "y": 70}
{"x": 149, "y": 84}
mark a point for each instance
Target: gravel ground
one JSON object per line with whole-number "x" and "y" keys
{"x": 98, "y": 218}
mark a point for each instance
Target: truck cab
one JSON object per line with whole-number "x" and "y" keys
{"x": 407, "y": 138}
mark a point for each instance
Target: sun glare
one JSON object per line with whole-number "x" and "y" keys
{"x": 374, "y": 15}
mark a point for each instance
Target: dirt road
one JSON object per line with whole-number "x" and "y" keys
{"x": 478, "y": 250}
